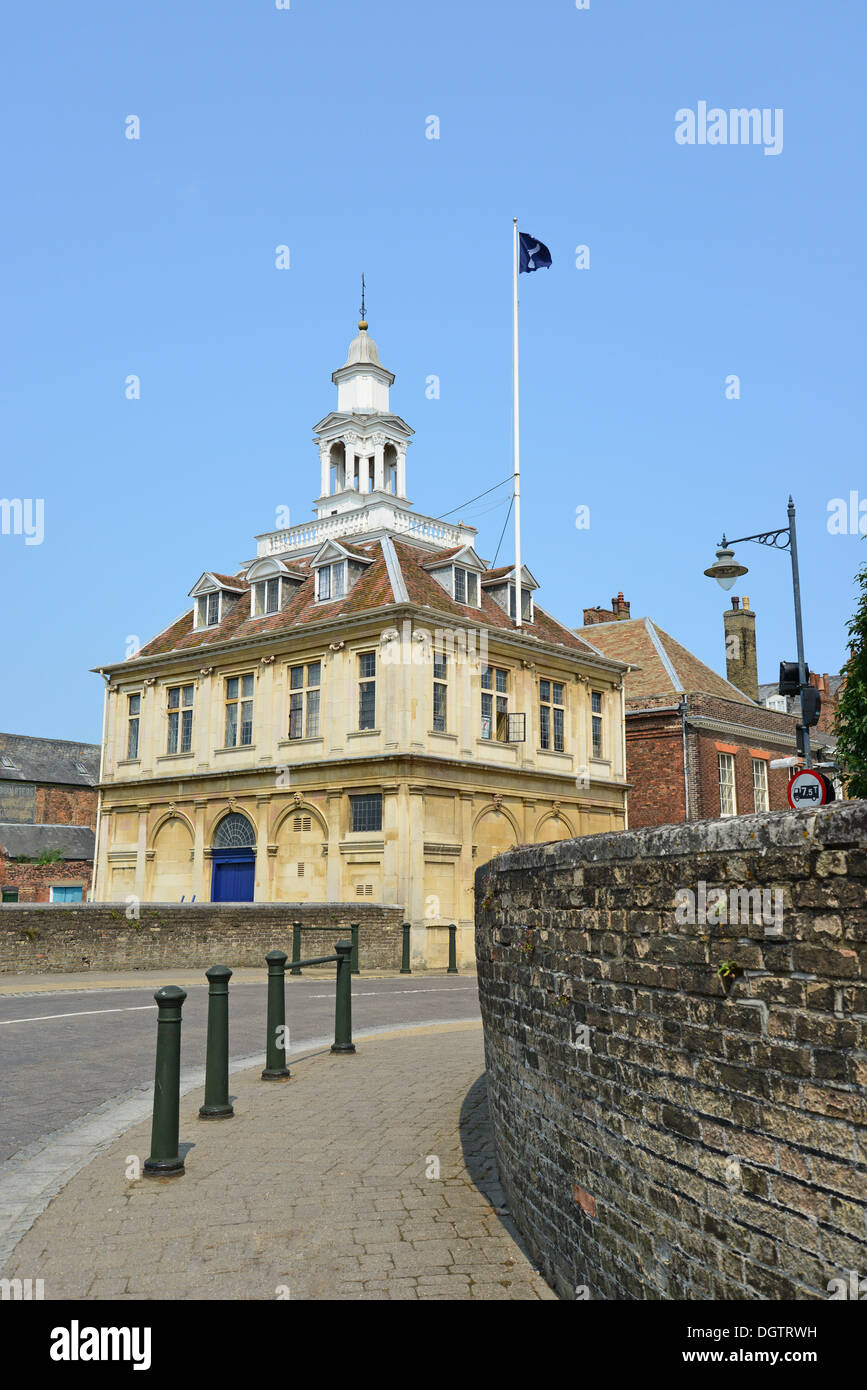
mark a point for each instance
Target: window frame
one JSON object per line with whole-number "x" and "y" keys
{"x": 133, "y": 721}
{"x": 260, "y": 589}
{"x": 236, "y": 704}
{"x": 440, "y": 682}
{"x": 205, "y": 600}
{"x": 177, "y": 712}
{"x": 496, "y": 696}
{"x": 365, "y": 682}
{"x": 550, "y": 706}
{"x": 526, "y": 593}
{"x": 329, "y": 568}
{"x": 65, "y": 888}
{"x": 355, "y": 804}
{"x": 765, "y": 786}
{"x": 597, "y": 722}
{"x": 725, "y": 785}
{"x": 300, "y": 700}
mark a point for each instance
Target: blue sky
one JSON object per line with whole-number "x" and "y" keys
{"x": 306, "y": 127}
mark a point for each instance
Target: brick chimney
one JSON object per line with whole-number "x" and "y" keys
{"x": 620, "y": 607}
{"x": 619, "y": 611}
{"x": 741, "y": 664}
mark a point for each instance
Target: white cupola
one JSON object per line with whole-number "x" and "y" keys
{"x": 362, "y": 446}
{"x": 362, "y": 382}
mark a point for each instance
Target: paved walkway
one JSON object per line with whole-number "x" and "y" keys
{"x": 365, "y": 1176}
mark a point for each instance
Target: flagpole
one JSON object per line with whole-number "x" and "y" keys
{"x": 518, "y": 595}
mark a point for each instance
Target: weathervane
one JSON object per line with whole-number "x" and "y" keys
{"x": 363, "y": 323}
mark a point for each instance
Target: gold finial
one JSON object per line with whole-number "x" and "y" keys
{"x": 362, "y": 323}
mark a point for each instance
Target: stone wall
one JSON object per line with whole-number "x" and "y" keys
{"x": 98, "y": 936}
{"x": 660, "y": 1135}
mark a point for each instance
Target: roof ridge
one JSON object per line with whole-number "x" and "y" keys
{"x": 393, "y": 569}
{"x": 668, "y": 664}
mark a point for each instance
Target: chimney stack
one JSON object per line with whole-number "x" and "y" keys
{"x": 618, "y": 612}
{"x": 741, "y": 663}
{"x": 620, "y": 607}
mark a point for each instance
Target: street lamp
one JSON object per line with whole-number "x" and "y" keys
{"x": 725, "y": 570}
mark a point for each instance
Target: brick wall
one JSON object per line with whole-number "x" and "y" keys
{"x": 34, "y": 881}
{"x": 658, "y": 1136}
{"x": 654, "y": 763}
{"x": 56, "y": 805}
{"x": 98, "y": 936}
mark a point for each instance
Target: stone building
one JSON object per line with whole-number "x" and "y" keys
{"x": 48, "y": 803}
{"x": 357, "y": 712}
{"x": 697, "y": 745}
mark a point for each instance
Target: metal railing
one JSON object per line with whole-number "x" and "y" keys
{"x": 298, "y": 928}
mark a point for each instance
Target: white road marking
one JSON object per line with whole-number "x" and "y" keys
{"x": 368, "y": 994}
{"x": 40, "y": 1018}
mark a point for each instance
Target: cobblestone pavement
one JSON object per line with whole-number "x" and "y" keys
{"x": 321, "y": 1187}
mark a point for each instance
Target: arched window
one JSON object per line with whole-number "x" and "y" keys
{"x": 234, "y": 832}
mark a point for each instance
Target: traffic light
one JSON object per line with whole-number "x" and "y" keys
{"x": 790, "y": 680}
{"x": 812, "y": 705}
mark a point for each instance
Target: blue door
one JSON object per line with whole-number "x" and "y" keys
{"x": 233, "y": 873}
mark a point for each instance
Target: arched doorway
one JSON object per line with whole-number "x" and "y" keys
{"x": 234, "y": 860}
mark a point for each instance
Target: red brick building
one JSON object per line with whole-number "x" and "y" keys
{"x": 47, "y": 818}
{"x": 697, "y": 746}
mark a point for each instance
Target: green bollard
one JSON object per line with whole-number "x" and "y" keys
{"x": 343, "y": 1000}
{"x": 164, "y": 1160}
{"x": 353, "y": 931}
{"x": 453, "y": 958}
{"x": 404, "y": 963}
{"x": 217, "y": 1105}
{"x": 296, "y": 948}
{"x": 275, "y": 1042}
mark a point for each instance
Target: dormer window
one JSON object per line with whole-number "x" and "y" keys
{"x": 266, "y": 597}
{"x": 526, "y": 603}
{"x": 466, "y": 586}
{"x": 208, "y": 609}
{"x": 331, "y": 580}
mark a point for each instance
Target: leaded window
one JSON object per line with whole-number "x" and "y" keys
{"x": 239, "y": 711}
{"x": 596, "y": 741}
{"x": 551, "y": 715}
{"x": 367, "y": 690}
{"x": 305, "y": 700}
{"x": 440, "y": 692}
{"x": 133, "y": 720}
{"x": 495, "y": 703}
{"x": 234, "y": 832}
{"x": 208, "y": 610}
{"x": 180, "y": 712}
{"x": 366, "y": 811}
{"x": 266, "y": 597}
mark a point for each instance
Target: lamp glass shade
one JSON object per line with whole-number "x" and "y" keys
{"x": 725, "y": 569}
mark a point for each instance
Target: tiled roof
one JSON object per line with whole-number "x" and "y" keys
{"x": 73, "y": 841}
{"x": 372, "y": 590}
{"x": 664, "y": 666}
{"x": 48, "y": 760}
{"x": 233, "y": 581}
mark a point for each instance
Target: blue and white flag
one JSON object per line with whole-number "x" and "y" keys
{"x": 533, "y": 254}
